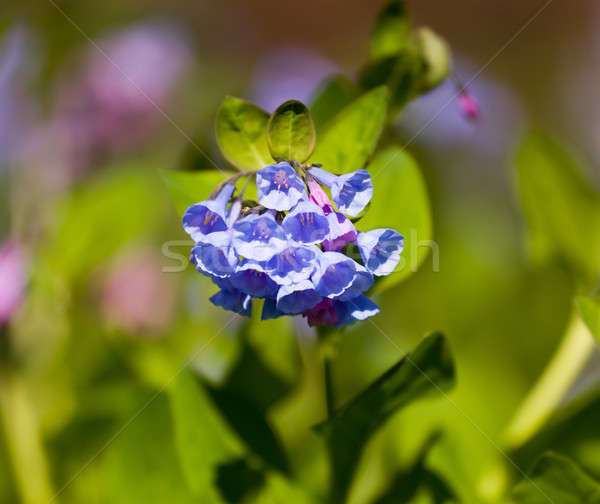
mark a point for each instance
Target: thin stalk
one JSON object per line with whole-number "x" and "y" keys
{"x": 559, "y": 375}
{"x": 23, "y": 441}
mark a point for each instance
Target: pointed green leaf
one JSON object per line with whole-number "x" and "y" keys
{"x": 331, "y": 97}
{"x": 429, "y": 368}
{"x": 291, "y": 132}
{"x": 558, "y": 480}
{"x": 188, "y": 188}
{"x": 561, "y": 209}
{"x": 400, "y": 202}
{"x": 242, "y": 134}
{"x": 589, "y": 310}
{"x": 202, "y": 437}
{"x": 392, "y": 30}
{"x": 351, "y": 136}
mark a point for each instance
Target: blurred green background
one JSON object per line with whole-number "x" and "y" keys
{"x": 103, "y": 329}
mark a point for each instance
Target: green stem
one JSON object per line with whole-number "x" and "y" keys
{"x": 23, "y": 441}
{"x": 562, "y": 371}
{"x": 329, "y": 397}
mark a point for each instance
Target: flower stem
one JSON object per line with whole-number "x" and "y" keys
{"x": 561, "y": 372}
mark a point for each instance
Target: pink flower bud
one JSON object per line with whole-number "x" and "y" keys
{"x": 469, "y": 106}
{"x": 319, "y": 196}
{"x": 12, "y": 283}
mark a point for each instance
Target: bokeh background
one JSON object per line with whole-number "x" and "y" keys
{"x": 84, "y": 216}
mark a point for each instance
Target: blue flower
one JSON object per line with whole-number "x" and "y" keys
{"x": 306, "y": 223}
{"x": 279, "y": 188}
{"x": 351, "y": 192}
{"x": 341, "y": 232}
{"x": 270, "y": 310}
{"x": 208, "y": 216}
{"x": 233, "y": 300}
{"x": 358, "y": 308}
{"x": 294, "y": 264}
{"x": 251, "y": 278}
{"x": 258, "y": 237}
{"x": 338, "y": 276}
{"x": 380, "y": 250}
{"x": 296, "y": 298}
{"x": 217, "y": 261}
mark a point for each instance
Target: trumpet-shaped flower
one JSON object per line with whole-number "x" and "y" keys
{"x": 306, "y": 223}
{"x": 279, "y": 188}
{"x": 259, "y": 237}
{"x": 380, "y": 250}
{"x": 293, "y": 265}
{"x": 351, "y": 192}
{"x": 209, "y": 216}
{"x": 296, "y": 298}
{"x": 233, "y": 300}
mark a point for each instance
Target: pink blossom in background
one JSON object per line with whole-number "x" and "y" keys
{"x": 12, "y": 280}
{"x": 469, "y": 106}
{"x": 136, "y": 296}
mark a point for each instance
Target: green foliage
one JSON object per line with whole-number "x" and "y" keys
{"x": 351, "y": 136}
{"x": 435, "y": 52}
{"x": 557, "y": 479}
{"x": 331, "y": 97}
{"x": 589, "y": 310}
{"x": 400, "y": 201}
{"x": 392, "y": 30}
{"x": 242, "y": 134}
{"x": 188, "y": 188}
{"x": 291, "y": 132}
{"x": 429, "y": 368}
{"x": 561, "y": 209}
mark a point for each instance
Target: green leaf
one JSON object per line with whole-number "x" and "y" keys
{"x": 392, "y": 30}
{"x": 400, "y": 202}
{"x": 562, "y": 211}
{"x": 202, "y": 437}
{"x": 351, "y": 136}
{"x": 436, "y": 55}
{"x": 291, "y": 132}
{"x": 188, "y": 188}
{"x": 589, "y": 310}
{"x": 429, "y": 368}
{"x": 331, "y": 97}
{"x": 242, "y": 134}
{"x": 556, "y": 479}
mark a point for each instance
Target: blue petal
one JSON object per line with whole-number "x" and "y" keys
{"x": 335, "y": 274}
{"x": 341, "y": 232}
{"x": 208, "y": 216}
{"x": 296, "y": 298}
{"x": 363, "y": 281}
{"x": 233, "y": 300}
{"x": 258, "y": 237}
{"x": 380, "y": 250}
{"x": 352, "y": 192}
{"x": 251, "y": 279}
{"x": 270, "y": 310}
{"x": 359, "y": 308}
{"x": 279, "y": 188}
{"x": 216, "y": 261}
{"x": 306, "y": 223}
{"x": 292, "y": 265}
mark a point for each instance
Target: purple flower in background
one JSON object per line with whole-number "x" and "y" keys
{"x": 12, "y": 284}
{"x": 469, "y": 106}
{"x": 287, "y": 248}
{"x": 279, "y": 187}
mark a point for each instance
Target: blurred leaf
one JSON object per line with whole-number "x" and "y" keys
{"x": 202, "y": 438}
{"x": 429, "y": 368}
{"x": 237, "y": 480}
{"x": 188, "y": 188}
{"x": 589, "y": 310}
{"x": 400, "y": 73}
{"x": 562, "y": 211}
{"x": 280, "y": 490}
{"x": 331, "y": 97}
{"x": 291, "y": 132}
{"x": 392, "y": 30}
{"x": 141, "y": 465}
{"x": 435, "y": 52}
{"x": 351, "y": 136}
{"x": 400, "y": 202}
{"x": 242, "y": 134}
{"x": 557, "y": 479}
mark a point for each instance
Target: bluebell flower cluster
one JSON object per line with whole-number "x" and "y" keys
{"x": 290, "y": 247}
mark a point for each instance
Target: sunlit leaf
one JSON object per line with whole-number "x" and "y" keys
{"x": 556, "y": 479}
{"x": 291, "y": 132}
{"x": 437, "y": 58}
{"x": 351, "y": 136}
{"x": 400, "y": 202}
{"x": 242, "y": 134}
{"x": 331, "y": 97}
{"x": 202, "y": 437}
{"x": 561, "y": 209}
{"x": 429, "y": 368}
{"x": 589, "y": 310}
{"x": 392, "y": 30}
